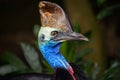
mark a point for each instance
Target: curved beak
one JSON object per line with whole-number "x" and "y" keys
{"x": 70, "y": 36}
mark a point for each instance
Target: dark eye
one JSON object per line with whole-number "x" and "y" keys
{"x": 42, "y": 37}
{"x": 54, "y": 33}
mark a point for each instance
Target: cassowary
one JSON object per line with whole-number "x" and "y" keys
{"x": 55, "y": 29}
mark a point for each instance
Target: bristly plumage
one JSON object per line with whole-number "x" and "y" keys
{"x": 62, "y": 74}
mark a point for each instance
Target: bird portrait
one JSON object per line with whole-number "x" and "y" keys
{"x": 55, "y": 29}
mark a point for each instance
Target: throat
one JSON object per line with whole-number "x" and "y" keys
{"x": 55, "y": 59}
{"x": 53, "y": 56}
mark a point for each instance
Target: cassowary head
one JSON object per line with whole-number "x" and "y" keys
{"x": 55, "y": 26}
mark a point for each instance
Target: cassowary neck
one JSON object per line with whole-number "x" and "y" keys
{"x": 51, "y": 53}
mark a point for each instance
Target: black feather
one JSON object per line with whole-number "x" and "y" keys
{"x": 62, "y": 74}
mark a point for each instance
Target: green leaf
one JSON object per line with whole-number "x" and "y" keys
{"x": 36, "y": 29}
{"x": 31, "y": 57}
{"x": 95, "y": 71}
{"x": 103, "y": 14}
{"x": 14, "y": 60}
{"x": 6, "y": 69}
{"x": 83, "y": 53}
{"x": 111, "y": 71}
{"x": 46, "y": 68}
{"x": 100, "y": 2}
{"x": 88, "y": 66}
{"x": 35, "y": 42}
{"x": 63, "y": 49}
{"x": 88, "y": 35}
{"x": 108, "y": 11}
{"x": 77, "y": 28}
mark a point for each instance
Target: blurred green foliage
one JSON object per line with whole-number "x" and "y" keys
{"x": 100, "y": 2}
{"x": 16, "y": 65}
{"x": 107, "y": 10}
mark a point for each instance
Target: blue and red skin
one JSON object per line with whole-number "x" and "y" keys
{"x": 51, "y": 52}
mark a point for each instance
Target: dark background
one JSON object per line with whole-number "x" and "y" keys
{"x": 17, "y": 19}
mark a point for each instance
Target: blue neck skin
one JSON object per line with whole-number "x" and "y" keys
{"x": 50, "y": 51}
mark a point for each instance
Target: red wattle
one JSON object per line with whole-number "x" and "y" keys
{"x": 72, "y": 73}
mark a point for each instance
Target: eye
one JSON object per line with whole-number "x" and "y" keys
{"x": 54, "y": 33}
{"x": 42, "y": 37}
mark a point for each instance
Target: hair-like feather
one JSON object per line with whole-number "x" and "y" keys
{"x": 62, "y": 74}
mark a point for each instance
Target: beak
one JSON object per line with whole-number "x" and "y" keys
{"x": 70, "y": 36}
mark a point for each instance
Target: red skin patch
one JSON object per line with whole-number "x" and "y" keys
{"x": 72, "y": 73}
